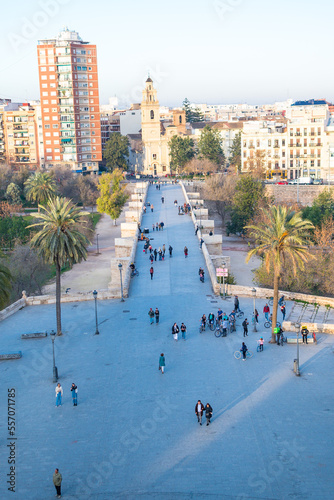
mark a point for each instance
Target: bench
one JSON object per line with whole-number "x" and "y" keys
{"x": 36, "y": 335}
{"x": 12, "y": 355}
{"x": 310, "y": 340}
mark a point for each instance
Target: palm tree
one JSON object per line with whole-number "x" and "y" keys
{"x": 281, "y": 234}
{"x": 5, "y": 285}
{"x": 60, "y": 241}
{"x": 39, "y": 187}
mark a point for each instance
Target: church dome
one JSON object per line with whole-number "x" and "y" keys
{"x": 149, "y": 80}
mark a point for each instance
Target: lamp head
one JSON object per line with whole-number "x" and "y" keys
{"x": 297, "y": 327}
{"x": 254, "y": 292}
{"x": 120, "y": 266}
{"x": 95, "y": 294}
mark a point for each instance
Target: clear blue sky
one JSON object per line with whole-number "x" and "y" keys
{"x": 214, "y": 51}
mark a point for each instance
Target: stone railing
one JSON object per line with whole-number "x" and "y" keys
{"x": 13, "y": 308}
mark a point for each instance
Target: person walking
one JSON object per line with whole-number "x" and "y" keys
{"x": 151, "y": 315}
{"x": 183, "y": 331}
{"x": 151, "y": 258}
{"x": 155, "y": 254}
{"x": 163, "y": 248}
{"x": 244, "y": 351}
{"x": 196, "y": 230}
{"x": 160, "y": 253}
{"x": 170, "y": 251}
{"x": 157, "y": 315}
{"x": 201, "y": 241}
{"x": 256, "y": 314}
{"x": 57, "y": 479}
{"x": 152, "y": 207}
{"x": 208, "y": 413}
{"x": 245, "y": 325}
{"x": 260, "y": 342}
{"x": 151, "y": 272}
{"x": 185, "y": 252}
{"x": 74, "y": 390}
{"x": 162, "y": 199}
{"x": 266, "y": 311}
{"x": 157, "y": 226}
{"x": 304, "y": 333}
{"x": 283, "y": 311}
{"x": 153, "y": 226}
{"x": 199, "y": 408}
{"x": 162, "y": 363}
{"x": 236, "y": 304}
{"x": 59, "y": 394}
{"x": 175, "y": 331}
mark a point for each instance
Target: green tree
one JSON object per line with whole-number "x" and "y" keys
{"x": 209, "y": 145}
{"x": 322, "y": 208}
{"x": 40, "y": 187}
{"x": 219, "y": 191}
{"x": 181, "y": 151}
{"x": 192, "y": 114}
{"x": 249, "y": 193}
{"x": 5, "y": 284}
{"x": 13, "y": 194}
{"x": 235, "y": 152}
{"x": 60, "y": 240}
{"x": 281, "y": 234}
{"x": 112, "y": 195}
{"x": 116, "y": 152}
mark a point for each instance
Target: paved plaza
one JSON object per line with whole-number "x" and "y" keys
{"x": 134, "y": 434}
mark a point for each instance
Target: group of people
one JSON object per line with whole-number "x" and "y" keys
{"x": 59, "y": 394}
{"x": 158, "y": 226}
{"x": 176, "y": 331}
{"x": 200, "y": 409}
{"x": 186, "y": 208}
{"x": 154, "y": 314}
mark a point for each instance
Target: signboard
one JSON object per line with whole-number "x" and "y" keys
{"x": 220, "y": 271}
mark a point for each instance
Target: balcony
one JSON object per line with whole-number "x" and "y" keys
{"x": 276, "y": 146}
{"x": 20, "y": 126}
{"x": 276, "y": 156}
{"x": 298, "y": 134}
{"x": 251, "y": 146}
{"x": 22, "y": 152}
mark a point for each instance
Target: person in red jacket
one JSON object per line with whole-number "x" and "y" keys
{"x": 266, "y": 311}
{"x": 151, "y": 272}
{"x": 199, "y": 408}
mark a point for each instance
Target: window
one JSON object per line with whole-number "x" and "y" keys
{"x": 154, "y": 157}
{"x": 44, "y": 85}
{"x": 55, "y": 125}
{"x": 45, "y": 94}
{"x": 52, "y": 77}
{"x": 46, "y": 126}
{"x": 43, "y": 68}
{"x": 51, "y": 68}
{"x": 152, "y": 114}
{"x": 48, "y": 134}
{"x": 44, "y": 77}
{"x": 269, "y": 143}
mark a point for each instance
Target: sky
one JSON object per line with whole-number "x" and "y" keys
{"x": 210, "y": 51}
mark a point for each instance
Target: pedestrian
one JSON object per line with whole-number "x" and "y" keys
{"x": 244, "y": 351}
{"x": 152, "y": 208}
{"x": 305, "y": 333}
{"x": 266, "y": 311}
{"x": 260, "y": 344}
{"x": 179, "y": 209}
{"x": 199, "y": 408}
{"x": 175, "y": 331}
{"x": 185, "y": 252}
{"x": 170, "y": 250}
{"x": 201, "y": 241}
{"x": 150, "y": 248}
{"x": 144, "y": 209}
{"x": 236, "y": 304}
{"x": 196, "y": 230}
{"x": 160, "y": 253}
{"x": 151, "y": 258}
{"x": 162, "y": 225}
{"x": 157, "y": 314}
{"x": 162, "y": 199}
{"x": 245, "y": 325}
{"x": 208, "y": 413}
{"x": 164, "y": 248}
{"x": 183, "y": 331}
{"x": 151, "y": 272}
{"x": 151, "y": 315}
{"x": 59, "y": 394}
{"x": 256, "y": 314}
{"x": 283, "y": 311}
{"x": 57, "y": 479}
{"x": 74, "y": 390}
{"x": 153, "y": 227}
{"x": 157, "y": 226}
{"x": 162, "y": 363}
{"x": 155, "y": 254}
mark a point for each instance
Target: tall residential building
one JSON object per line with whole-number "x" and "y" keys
{"x": 2, "y": 138}
{"x": 70, "y": 102}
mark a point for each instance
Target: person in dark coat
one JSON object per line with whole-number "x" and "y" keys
{"x": 57, "y": 479}
{"x": 155, "y": 254}
{"x": 236, "y": 304}
{"x": 151, "y": 272}
{"x": 157, "y": 315}
{"x": 170, "y": 250}
{"x": 74, "y": 390}
{"x": 185, "y": 251}
{"x": 245, "y": 325}
{"x": 208, "y": 413}
{"x": 199, "y": 408}
{"x": 244, "y": 351}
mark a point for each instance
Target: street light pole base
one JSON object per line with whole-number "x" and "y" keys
{"x": 122, "y": 300}
{"x": 97, "y": 332}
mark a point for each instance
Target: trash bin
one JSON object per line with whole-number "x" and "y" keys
{"x": 146, "y": 230}
{"x": 295, "y": 365}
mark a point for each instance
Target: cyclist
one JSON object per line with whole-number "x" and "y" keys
{"x": 201, "y": 276}
{"x": 224, "y": 326}
{"x": 281, "y": 300}
{"x": 219, "y": 315}
{"x": 244, "y": 351}
{"x": 225, "y": 317}
{"x": 203, "y": 321}
{"x": 132, "y": 266}
{"x": 211, "y": 318}
{"x": 236, "y": 304}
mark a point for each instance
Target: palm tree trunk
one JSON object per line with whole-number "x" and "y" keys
{"x": 275, "y": 305}
{"x": 58, "y": 309}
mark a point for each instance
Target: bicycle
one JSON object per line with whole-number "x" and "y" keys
{"x": 282, "y": 339}
{"x": 238, "y": 355}
{"x": 281, "y": 301}
{"x": 239, "y": 314}
{"x": 220, "y": 332}
{"x": 267, "y": 324}
{"x": 212, "y": 326}
{"x": 202, "y": 328}
{"x": 135, "y": 272}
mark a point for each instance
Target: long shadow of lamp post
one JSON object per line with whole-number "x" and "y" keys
{"x": 96, "y": 323}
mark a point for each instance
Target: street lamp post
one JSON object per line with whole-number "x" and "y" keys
{"x": 55, "y": 370}
{"x": 120, "y": 267}
{"x": 297, "y": 328}
{"x": 96, "y": 323}
{"x": 254, "y": 298}
{"x": 97, "y": 244}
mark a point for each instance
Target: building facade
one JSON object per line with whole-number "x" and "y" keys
{"x": 70, "y": 102}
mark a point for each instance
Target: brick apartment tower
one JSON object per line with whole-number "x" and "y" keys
{"x": 70, "y": 102}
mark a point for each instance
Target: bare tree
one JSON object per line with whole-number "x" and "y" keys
{"x": 200, "y": 166}
{"x": 218, "y": 192}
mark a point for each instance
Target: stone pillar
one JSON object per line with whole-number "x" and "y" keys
{"x": 129, "y": 229}
{"x": 123, "y": 247}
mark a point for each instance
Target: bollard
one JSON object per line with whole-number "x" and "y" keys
{"x": 295, "y": 365}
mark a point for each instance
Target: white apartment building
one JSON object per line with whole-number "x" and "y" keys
{"x": 299, "y": 148}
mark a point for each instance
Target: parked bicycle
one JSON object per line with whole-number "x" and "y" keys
{"x": 267, "y": 324}
{"x": 238, "y": 354}
{"x": 239, "y": 314}
{"x": 221, "y": 331}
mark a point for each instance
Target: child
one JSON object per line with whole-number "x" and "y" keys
{"x": 260, "y": 342}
